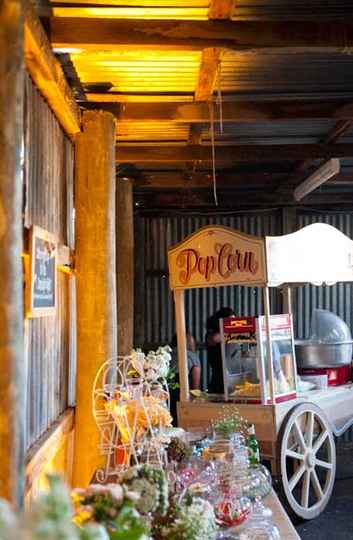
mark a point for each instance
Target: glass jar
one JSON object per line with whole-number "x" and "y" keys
{"x": 260, "y": 530}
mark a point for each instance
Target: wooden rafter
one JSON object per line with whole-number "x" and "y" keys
{"x": 226, "y": 179}
{"x": 48, "y": 75}
{"x": 98, "y": 34}
{"x": 195, "y": 134}
{"x": 221, "y": 9}
{"x": 207, "y": 74}
{"x": 241, "y": 111}
{"x": 231, "y": 154}
{"x": 199, "y": 179}
{"x": 237, "y": 199}
{"x": 308, "y": 165}
{"x": 338, "y": 131}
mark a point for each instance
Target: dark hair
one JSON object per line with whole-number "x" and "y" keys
{"x": 190, "y": 341}
{"x": 213, "y": 321}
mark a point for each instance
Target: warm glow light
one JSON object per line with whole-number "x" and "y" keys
{"x": 67, "y": 50}
{"x": 183, "y": 13}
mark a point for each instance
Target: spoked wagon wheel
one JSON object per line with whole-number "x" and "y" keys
{"x": 308, "y": 460}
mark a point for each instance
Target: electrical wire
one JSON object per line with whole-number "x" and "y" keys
{"x": 219, "y": 98}
{"x": 211, "y": 111}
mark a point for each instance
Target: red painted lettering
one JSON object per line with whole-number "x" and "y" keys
{"x": 227, "y": 261}
{"x": 253, "y": 264}
{"x": 222, "y": 260}
{"x": 187, "y": 259}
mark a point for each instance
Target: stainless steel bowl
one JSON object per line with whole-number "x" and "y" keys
{"x": 311, "y": 355}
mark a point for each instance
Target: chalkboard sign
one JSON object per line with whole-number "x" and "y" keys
{"x": 41, "y": 296}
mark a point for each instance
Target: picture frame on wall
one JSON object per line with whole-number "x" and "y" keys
{"x": 41, "y": 289}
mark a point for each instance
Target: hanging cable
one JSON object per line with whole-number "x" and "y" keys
{"x": 211, "y": 111}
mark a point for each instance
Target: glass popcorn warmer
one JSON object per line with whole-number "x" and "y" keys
{"x": 248, "y": 355}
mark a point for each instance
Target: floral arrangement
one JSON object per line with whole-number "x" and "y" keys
{"x": 112, "y": 506}
{"x": 139, "y": 416}
{"x": 192, "y": 519}
{"x": 230, "y": 421}
{"x": 153, "y": 366}
{"x": 151, "y": 485}
{"x": 50, "y": 518}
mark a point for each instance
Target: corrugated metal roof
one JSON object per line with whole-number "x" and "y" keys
{"x": 152, "y": 131}
{"x": 275, "y": 132}
{"x": 140, "y": 71}
{"x": 290, "y": 10}
{"x": 286, "y": 73}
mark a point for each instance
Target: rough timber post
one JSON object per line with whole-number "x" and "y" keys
{"x": 96, "y": 277}
{"x": 11, "y": 290}
{"x": 125, "y": 265}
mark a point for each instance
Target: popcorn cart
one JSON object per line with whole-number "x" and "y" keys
{"x": 295, "y": 429}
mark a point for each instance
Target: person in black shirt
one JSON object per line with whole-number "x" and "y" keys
{"x": 213, "y": 345}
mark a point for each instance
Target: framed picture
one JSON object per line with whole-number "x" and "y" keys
{"x": 41, "y": 294}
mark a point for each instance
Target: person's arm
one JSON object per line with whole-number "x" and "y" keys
{"x": 195, "y": 378}
{"x": 213, "y": 339}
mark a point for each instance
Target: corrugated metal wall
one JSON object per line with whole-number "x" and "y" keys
{"x": 48, "y": 195}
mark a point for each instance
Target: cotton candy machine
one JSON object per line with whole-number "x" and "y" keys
{"x": 329, "y": 345}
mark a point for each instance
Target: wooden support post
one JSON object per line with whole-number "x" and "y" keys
{"x": 289, "y": 225}
{"x": 179, "y": 296}
{"x": 125, "y": 265}
{"x": 139, "y": 281}
{"x": 269, "y": 344}
{"x": 12, "y": 408}
{"x": 96, "y": 277}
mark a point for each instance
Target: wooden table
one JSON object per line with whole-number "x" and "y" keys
{"x": 280, "y": 518}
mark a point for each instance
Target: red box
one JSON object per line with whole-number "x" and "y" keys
{"x": 335, "y": 376}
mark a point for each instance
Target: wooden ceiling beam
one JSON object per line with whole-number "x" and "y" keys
{"x": 198, "y": 179}
{"x": 308, "y": 165}
{"x": 100, "y": 34}
{"x": 48, "y": 75}
{"x": 237, "y": 199}
{"x": 195, "y": 134}
{"x": 221, "y": 9}
{"x": 338, "y": 131}
{"x": 231, "y": 154}
{"x": 225, "y": 179}
{"x": 242, "y": 111}
{"x": 207, "y": 74}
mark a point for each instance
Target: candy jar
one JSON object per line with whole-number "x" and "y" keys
{"x": 261, "y": 482}
{"x": 260, "y": 530}
{"x": 231, "y": 510}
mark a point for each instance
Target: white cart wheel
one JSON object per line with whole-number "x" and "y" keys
{"x": 308, "y": 460}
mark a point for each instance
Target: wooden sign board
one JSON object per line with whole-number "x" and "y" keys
{"x": 41, "y": 282}
{"x": 215, "y": 256}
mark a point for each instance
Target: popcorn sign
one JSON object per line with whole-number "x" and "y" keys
{"x": 215, "y": 256}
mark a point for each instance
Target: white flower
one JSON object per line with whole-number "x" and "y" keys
{"x": 116, "y": 491}
{"x": 138, "y": 360}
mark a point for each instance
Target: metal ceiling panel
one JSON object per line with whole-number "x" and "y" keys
{"x": 140, "y": 71}
{"x": 289, "y": 10}
{"x": 286, "y": 73}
